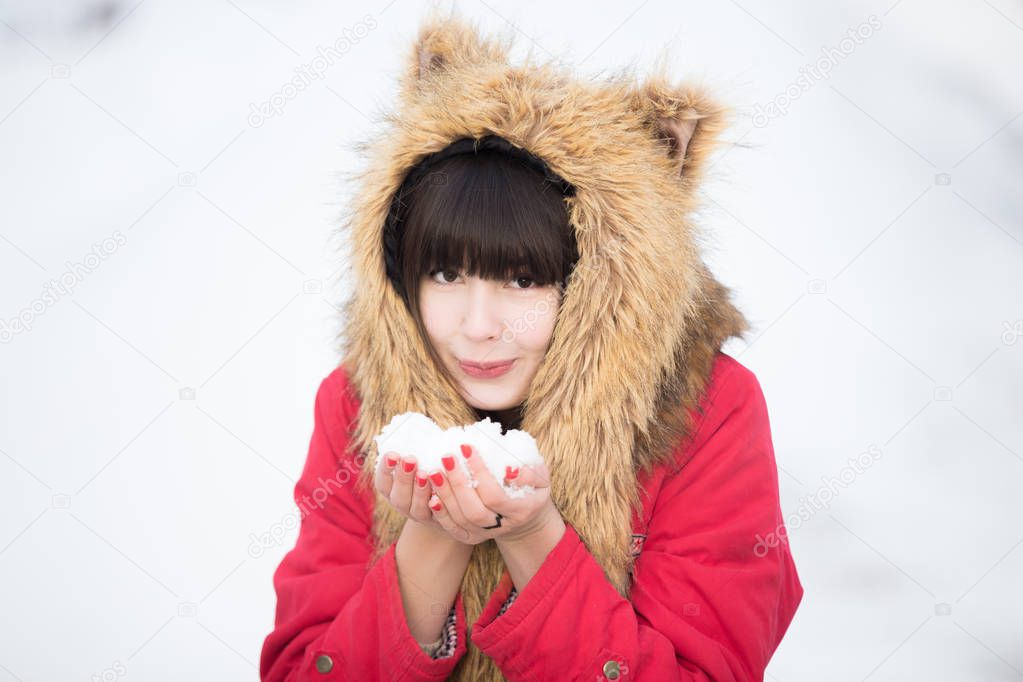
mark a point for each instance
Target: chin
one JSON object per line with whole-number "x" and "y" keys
{"x": 491, "y": 399}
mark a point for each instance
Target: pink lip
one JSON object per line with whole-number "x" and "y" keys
{"x": 486, "y": 370}
{"x": 487, "y": 365}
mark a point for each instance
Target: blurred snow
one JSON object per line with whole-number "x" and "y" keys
{"x": 168, "y": 239}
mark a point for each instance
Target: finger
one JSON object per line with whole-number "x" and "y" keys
{"x": 441, "y": 487}
{"x": 443, "y": 517}
{"x": 536, "y": 475}
{"x": 401, "y": 491}
{"x": 421, "y": 492}
{"x": 474, "y": 513}
{"x": 489, "y": 489}
{"x": 383, "y": 478}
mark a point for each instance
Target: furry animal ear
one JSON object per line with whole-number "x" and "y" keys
{"x": 431, "y": 54}
{"x": 677, "y": 131}
{"x": 685, "y": 120}
{"x": 448, "y": 41}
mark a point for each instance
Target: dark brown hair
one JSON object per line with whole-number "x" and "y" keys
{"x": 486, "y": 214}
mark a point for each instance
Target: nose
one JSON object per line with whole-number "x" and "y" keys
{"x": 482, "y": 320}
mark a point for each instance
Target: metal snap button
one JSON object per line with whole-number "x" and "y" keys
{"x": 324, "y": 663}
{"x": 611, "y": 670}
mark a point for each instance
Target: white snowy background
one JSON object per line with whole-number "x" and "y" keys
{"x": 155, "y": 414}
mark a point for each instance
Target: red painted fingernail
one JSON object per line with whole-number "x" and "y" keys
{"x": 437, "y": 478}
{"x": 391, "y": 461}
{"x": 511, "y": 472}
{"x": 435, "y": 507}
{"x": 466, "y": 451}
{"x": 421, "y": 482}
{"x": 449, "y": 462}
{"x": 408, "y": 466}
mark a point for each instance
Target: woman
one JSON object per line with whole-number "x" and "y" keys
{"x": 512, "y": 214}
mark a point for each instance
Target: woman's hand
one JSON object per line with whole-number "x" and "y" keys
{"x": 473, "y": 515}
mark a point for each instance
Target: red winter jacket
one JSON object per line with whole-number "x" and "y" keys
{"x": 713, "y": 592}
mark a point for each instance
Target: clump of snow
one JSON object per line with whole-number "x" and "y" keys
{"x": 413, "y": 434}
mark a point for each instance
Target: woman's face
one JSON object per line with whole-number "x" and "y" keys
{"x": 473, "y": 320}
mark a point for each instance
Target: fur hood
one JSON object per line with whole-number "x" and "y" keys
{"x": 641, "y": 319}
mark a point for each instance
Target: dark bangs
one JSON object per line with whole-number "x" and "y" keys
{"x": 486, "y": 215}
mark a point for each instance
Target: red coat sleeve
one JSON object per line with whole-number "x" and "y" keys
{"x": 339, "y": 617}
{"x": 709, "y": 601}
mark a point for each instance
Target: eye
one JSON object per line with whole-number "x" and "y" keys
{"x": 524, "y": 278}
{"x": 443, "y": 273}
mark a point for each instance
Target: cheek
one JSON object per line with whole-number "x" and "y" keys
{"x": 536, "y": 334}
{"x": 438, "y": 315}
